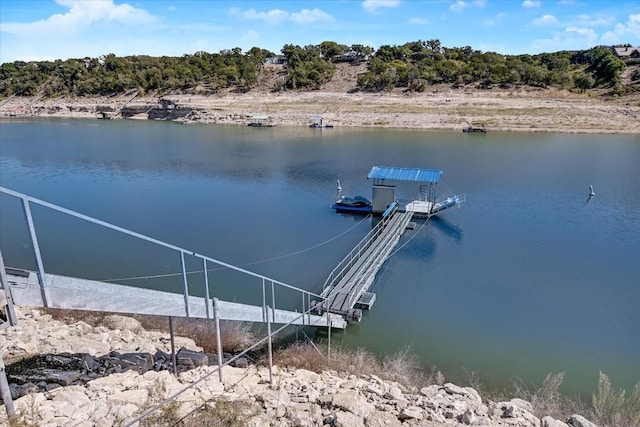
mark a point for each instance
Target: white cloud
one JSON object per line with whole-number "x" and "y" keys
{"x": 306, "y": 16}
{"x": 251, "y": 35}
{"x": 460, "y": 5}
{"x": 585, "y": 33}
{"x": 418, "y": 21}
{"x": 81, "y": 15}
{"x": 372, "y": 6}
{"x": 273, "y": 17}
{"x": 598, "y": 21}
{"x": 545, "y": 20}
{"x": 531, "y": 3}
{"x": 629, "y": 32}
{"x": 497, "y": 19}
{"x": 572, "y": 38}
{"x": 278, "y": 16}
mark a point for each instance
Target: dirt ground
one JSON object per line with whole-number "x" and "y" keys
{"x": 340, "y": 104}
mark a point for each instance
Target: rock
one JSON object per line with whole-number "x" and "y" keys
{"x": 551, "y": 422}
{"x": 468, "y": 417}
{"x": 347, "y": 419}
{"x": 394, "y": 393}
{"x": 191, "y": 358}
{"x": 522, "y": 404}
{"x": 579, "y": 421}
{"x": 383, "y": 419}
{"x": 240, "y": 362}
{"x": 296, "y": 397}
{"x": 124, "y": 323}
{"x": 353, "y": 402}
{"x": 63, "y": 378}
{"x": 141, "y": 362}
{"x": 411, "y": 412}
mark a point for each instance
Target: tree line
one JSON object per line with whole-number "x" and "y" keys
{"x": 413, "y": 66}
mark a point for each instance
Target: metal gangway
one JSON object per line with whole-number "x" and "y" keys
{"x": 39, "y": 288}
{"x": 345, "y": 291}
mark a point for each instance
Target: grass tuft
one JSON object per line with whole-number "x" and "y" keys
{"x": 613, "y": 408}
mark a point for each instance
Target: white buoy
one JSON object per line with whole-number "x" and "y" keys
{"x": 591, "y": 192}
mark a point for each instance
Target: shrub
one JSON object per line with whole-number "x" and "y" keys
{"x": 546, "y": 399}
{"x": 613, "y": 407}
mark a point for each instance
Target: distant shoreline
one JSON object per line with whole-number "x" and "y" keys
{"x": 544, "y": 110}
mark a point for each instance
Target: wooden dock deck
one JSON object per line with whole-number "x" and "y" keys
{"x": 346, "y": 288}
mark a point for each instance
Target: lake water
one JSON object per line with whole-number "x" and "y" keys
{"x": 529, "y": 277}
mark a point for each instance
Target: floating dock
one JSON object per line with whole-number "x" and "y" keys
{"x": 346, "y": 290}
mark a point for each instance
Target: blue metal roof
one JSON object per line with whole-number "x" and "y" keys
{"x": 405, "y": 174}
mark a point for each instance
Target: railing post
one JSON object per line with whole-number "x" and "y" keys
{"x": 273, "y": 300}
{"x": 206, "y": 287}
{"x": 216, "y": 318}
{"x": 12, "y": 320}
{"x": 173, "y": 347}
{"x": 185, "y": 284}
{"x": 264, "y": 301}
{"x": 5, "y": 391}
{"x": 328, "y": 336}
{"x": 270, "y": 353}
{"x": 36, "y": 250}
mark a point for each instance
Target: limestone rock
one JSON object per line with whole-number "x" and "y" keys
{"x": 579, "y": 421}
{"x": 131, "y": 373}
{"x": 551, "y": 422}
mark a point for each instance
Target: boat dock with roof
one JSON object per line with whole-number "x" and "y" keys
{"x": 346, "y": 290}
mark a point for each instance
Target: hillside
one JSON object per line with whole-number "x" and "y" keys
{"x": 439, "y": 107}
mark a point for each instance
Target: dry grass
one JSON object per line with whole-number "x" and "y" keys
{"x": 402, "y": 366}
{"x": 613, "y": 408}
{"x": 220, "y": 412}
{"x": 235, "y": 336}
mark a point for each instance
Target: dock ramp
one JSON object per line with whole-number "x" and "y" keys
{"x": 345, "y": 290}
{"x": 39, "y": 288}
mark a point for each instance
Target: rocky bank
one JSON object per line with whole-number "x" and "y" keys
{"x": 295, "y": 398}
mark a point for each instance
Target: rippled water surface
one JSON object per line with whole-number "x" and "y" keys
{"x": 529, "y": 277}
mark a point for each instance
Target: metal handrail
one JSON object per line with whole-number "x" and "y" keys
{"x": 27, "y": 200}
{"x": 355, "y": 291}
{"x": 354, "y": 255}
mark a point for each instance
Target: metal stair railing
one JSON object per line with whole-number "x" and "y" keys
{"x": 269, "y": 285}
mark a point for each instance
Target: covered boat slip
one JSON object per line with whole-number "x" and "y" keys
{"x": 425, "y": 205}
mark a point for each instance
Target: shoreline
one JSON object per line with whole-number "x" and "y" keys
{"x": 296, "y": 397}
{"x": 517, "y": 110}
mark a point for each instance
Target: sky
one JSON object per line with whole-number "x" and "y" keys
{"x": 38, "y": 30}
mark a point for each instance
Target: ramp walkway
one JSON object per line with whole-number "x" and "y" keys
{"x": 345, "y": 290}
{"x": 42, "y": 289}
{"x": 81, "y": 294}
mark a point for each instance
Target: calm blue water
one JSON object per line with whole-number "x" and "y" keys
{"x": 528, "y": 278}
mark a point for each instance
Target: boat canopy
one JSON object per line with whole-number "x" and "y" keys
{"x": 380, "y": 173}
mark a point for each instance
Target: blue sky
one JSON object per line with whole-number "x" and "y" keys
{"x": 62, "y": 29}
